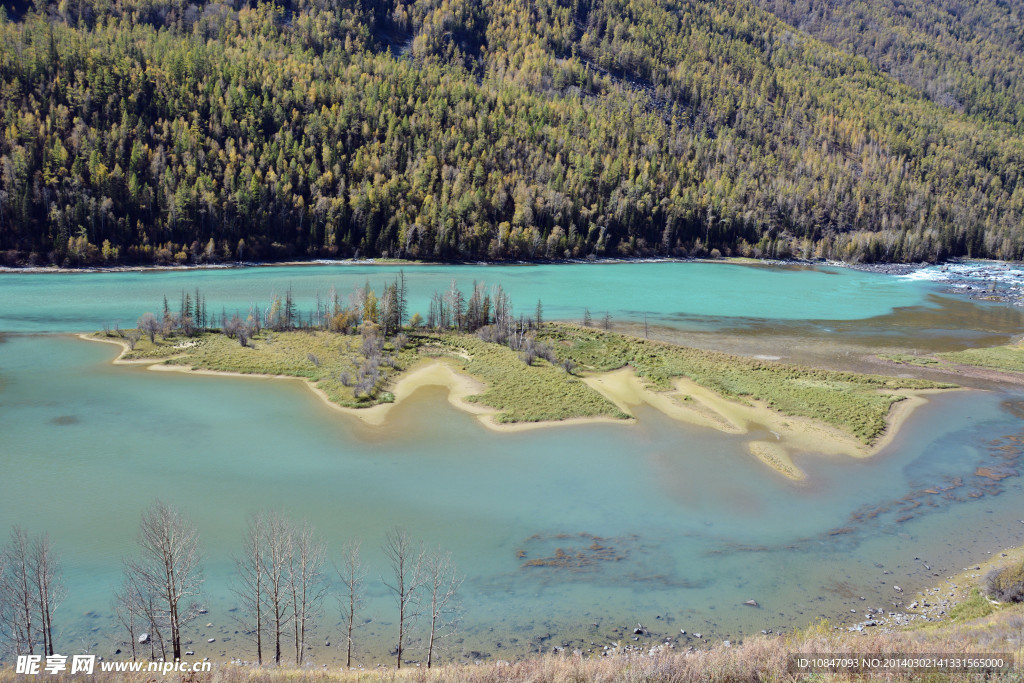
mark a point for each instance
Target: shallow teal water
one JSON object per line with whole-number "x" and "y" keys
{"x": 73, "y": 302}
{"x": 698, "y": 525}
{"x": 694, "y": 526}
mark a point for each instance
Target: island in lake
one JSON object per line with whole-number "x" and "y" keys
{"x": 365, "y": 355}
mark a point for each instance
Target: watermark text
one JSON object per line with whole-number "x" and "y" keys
{"x": 35, "y": 665}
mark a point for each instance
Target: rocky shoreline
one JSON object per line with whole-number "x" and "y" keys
{"x": 883, "y": 268}
{"x": 979, "y": 280}
{"x": 984, "y": 281}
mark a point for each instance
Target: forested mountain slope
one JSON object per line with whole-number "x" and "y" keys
{"x": 964, "y": 54}
{"x": 159, "y": 130}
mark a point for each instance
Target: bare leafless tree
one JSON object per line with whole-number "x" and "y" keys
{"x": 277, "y": 552}
{"x": 136, "y": 609}
{"x": 306, "y": 584}
{"x": 251, "y": 585}
{"x": 167, "y": 572}
{"x": 145, "y": 606}
{"x": 352, "y": 573}
{"x": 20, "y": 614}
{"x": 125, "y": 612}
{"x": 443, "y": 581}
{"x": 30, "y": 591}
{"x": 48, "y": 587}
{"x": 149, "y": 325}
{"x": 406, "y": 579}
{"x": 280, "y": 582}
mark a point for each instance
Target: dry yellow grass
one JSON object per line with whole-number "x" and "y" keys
{"x": 757, "y": 660}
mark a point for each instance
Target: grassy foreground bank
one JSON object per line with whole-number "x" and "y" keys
{"x": 757, "y": 660}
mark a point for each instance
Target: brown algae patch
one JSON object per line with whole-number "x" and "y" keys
{"x": 585, "y": 552}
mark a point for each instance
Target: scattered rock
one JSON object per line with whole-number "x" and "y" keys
{"x": 897, "y": 589}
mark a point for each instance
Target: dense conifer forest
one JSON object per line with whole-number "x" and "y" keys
{"x": 169, "y": 131}
{"x": 968, "y": 56}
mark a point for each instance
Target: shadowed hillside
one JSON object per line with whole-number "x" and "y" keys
{"x": 142, "y": 131}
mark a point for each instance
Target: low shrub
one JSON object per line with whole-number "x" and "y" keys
{"x": 1007, "y": 584}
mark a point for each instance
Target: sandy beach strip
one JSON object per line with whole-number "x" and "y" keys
{"x": 786, "y": 435}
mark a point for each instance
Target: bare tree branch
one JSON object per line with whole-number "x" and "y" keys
{"x": 443, "y": 582}
{"x": 167, "y": 575}
{"x": 407, "y": 578}
{"x": 30, "y": 591}
{"x": 48, "y": 587}
{"x": 251, "y": 581}
{"x": 277, "y": 552}
{"x": 19, "y": 614}
{"x": 353, "y": 574}
{"x": 306, "y": 583}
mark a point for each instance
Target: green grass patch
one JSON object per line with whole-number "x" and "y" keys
{"x": 524, "y": 393}
{"x": 974, "y": 607}
{"x": 855, "y": 403}
{"x": 1009, "y": 357}
{"x": 910, "y": 359}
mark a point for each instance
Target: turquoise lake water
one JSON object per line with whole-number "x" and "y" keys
{"x": 697, "y": 526}
{"x": 71, "y": 302}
